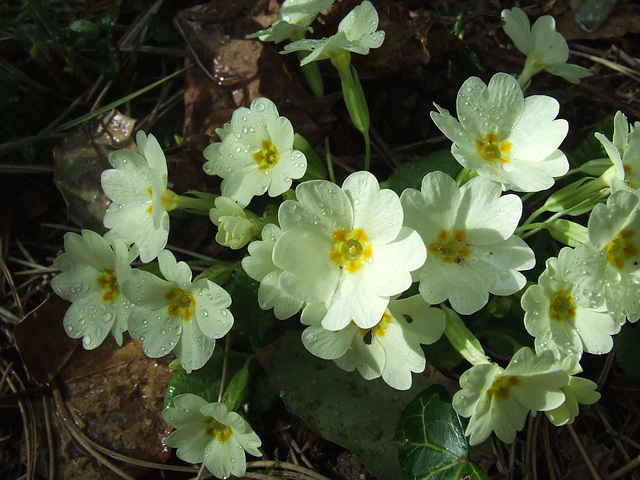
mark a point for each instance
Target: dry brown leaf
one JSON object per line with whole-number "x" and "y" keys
{"x": 42, "y": 343}
{"x": 116, "y": 395}
{"x": 80, "y": 160}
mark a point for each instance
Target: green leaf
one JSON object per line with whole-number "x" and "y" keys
{"x": 109, "y": 18}
{"x": 205, "y": 381}
{"x": 627, "y": 352}
{"x": 591, "y": 148}
{"x": 593, "y": 13}
{"x": 431, "y": 442}
{"x": 250, "y": 321}
{"x": 106, "y": 60}
{"x": 86, "y": 30}
{"x": 219, "y": 273}
{"x": 410, "y": 174}
{"x": 342, "y": 407}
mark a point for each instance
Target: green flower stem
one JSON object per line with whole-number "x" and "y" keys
{"x": 461, "y": 338}
{"x": 529, "y": 70}
{"x": 198, "y": 203}
{"x": 237, "y": 389}
{"x": 465, "y": 175}
{"x": 354, "y": 99}
{"x": 502, "y": 336}
{"x": 327, "y": 152}
{"x": 530, "y": 229}
{"x": 367, "y": 151}
{"x": 312, "y": 75}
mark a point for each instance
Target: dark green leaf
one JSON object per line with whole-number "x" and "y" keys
{"x": 591, "y": 148}
{"x": 109, "y": 18}
{"x": 431, "y": 442}
{"x": 161, "y": 32}
{"x": 627, "y": 352}
{"x": 410, "y": 174}
{"x": 85, "y": 29}
{"x": 342, "y": 406}
{"x": 218, "y": 273}
{"x": 106, "y": 60}
{"x": 251, "y": 322}
{"x": 593, "y": 13}
{"x": 205, "y": 381}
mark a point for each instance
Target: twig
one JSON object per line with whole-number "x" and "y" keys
{"x": 583, "y": 453}
{"x": 629, "y": 72}
{"x": 225, "y": 363}
{"x": 203, "y": 469}
{"x": 533, "y": 445}
{"x": 633, "y": 464}
{"x": 50, "y": 445}
{"x": 606, "y": 368}
{"x": 286, "y": 466}
{"x": 548, "y": 453}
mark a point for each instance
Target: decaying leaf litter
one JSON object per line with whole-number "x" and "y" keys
{"x": 70, "y": 413}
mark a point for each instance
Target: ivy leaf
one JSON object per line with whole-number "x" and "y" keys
{"x": 627, "y": 353}
{"x": 410, "y": 174}
{"x": 431, "y": 442}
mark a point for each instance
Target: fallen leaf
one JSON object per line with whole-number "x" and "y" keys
{"x": 116, "y": 395}
{"x": 42, "y": 343}
{"x": 80, "y": 160}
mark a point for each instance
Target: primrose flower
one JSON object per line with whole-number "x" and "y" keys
{"x": 390, "y": 349}
{"x": 293, "y": 20}
{"x": 92, "y": 271}
{"x": 499, "y": 400}
{"x": 175, "y": 314}
{"x": 236, "y": 226}
{"x": 256, "y": 154}
{"x": 468, "y": 231}
{"x": 259, "y": 266}
{"x": 505, "y": 137}
{"x": 209, "y": 432}
{"x": 137, "y": 186}
{"x": 558, "y": 323}
{"x": 357, "y": 33}
{"x": 605, "y": 270}
{"x": 624, "y": 152}
{"x": 346, "y": 247}
{"x": 578, "y": 390}
{"x": 545, "y": 48}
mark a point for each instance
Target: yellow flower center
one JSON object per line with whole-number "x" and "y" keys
{"x": 621, "y": 248}
{"x": 216, "y": 429}
{"x": 562, "y": 306}
{"x": 501, "y": 385}
{"x": 451, "y": 247}
{"x": 109, "y": 283}
{"x": 267, "y": 157}
{"x": 380, "y": 329}
{"x": 627, "y": 176}
{"x": 351, "y": 249}
{"x": 169, "y": 200}
{"x": 181, "y": 303}
{"x": 492, "y": 149}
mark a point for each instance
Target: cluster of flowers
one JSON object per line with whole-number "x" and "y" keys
{"x": 345, "y": 255}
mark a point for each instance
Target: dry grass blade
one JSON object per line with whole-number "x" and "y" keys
{"x": 583, "y": 453}
{"x": 28, "y": 418}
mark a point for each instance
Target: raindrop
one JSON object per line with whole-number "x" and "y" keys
{"x": 107, "y": 316}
